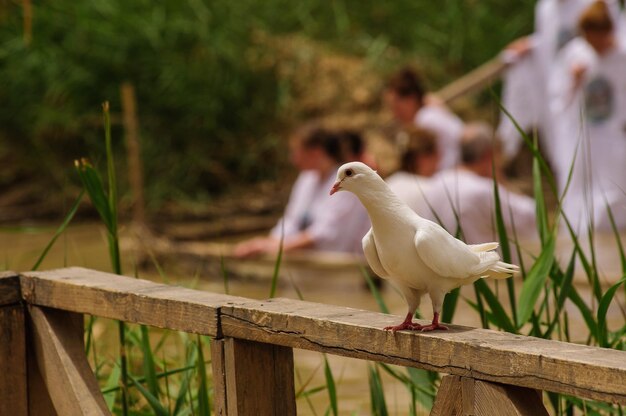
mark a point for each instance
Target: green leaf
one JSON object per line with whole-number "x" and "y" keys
{"x": 204, "y": 406}
{"x": 603, "y": 308}
{"x": 149, "y": 367}
{"x": 372, "y": 286}
{"x": 154, "y": 403}
{"x": 499, "y": 314}
{"x": 377, "y": 393}
{"x": 112, "y": 382}
{"x": 330, "y": 385}
{"x": 534, "y": 282}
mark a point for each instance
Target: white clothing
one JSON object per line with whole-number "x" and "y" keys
{"x": 336, "y": 223}
{"x": 410, "y": 188}
{"x": 448, "y": 129}
{"x": 462, "y": 194}
{"x": 524, "y": 92}
{"x": 592, "y": 126}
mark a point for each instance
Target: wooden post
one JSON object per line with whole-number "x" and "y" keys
{"x": 259, "y": 379}
{"x": 13, "y": 373}
{"x": 61, "y": 360}
{"x": 219, "y": 377}
{"x": 133, "y": 151}
{"x": 463, "y": 396}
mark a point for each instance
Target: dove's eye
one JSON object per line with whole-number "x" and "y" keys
{"x": 348, "y": 172}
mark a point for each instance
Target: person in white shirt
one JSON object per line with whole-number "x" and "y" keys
{"x": 406, "y": 97}
{"x": 419, "y": 162}
{"x": 312, "y": 219}
{"x": 589, "y": 102}
{"x": 531, "y": 60}
{"x": 462, "y": 199}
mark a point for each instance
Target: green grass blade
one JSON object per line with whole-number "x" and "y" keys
{"x": 184, "y": 387}
{"x": 377, "y": 393}
{"x": 60, "y": 230}
{"x": 375, "y": 292}
{"x": 564, "y": 284}
{"x": 449, "y": 305}
{"x": 204, "y": 406}
{"x": 534, "y": 282}
{"x": 149, "y": 367}
{"x": 92, "y": 183}
{"x": 603, "y": 308}
{"x": 330, "y": 385}
{"x": 111, "y": 387}
{"x": 501, "y": 318}
{"x": 154, "y": 403}
{"x": 279, "y": 259}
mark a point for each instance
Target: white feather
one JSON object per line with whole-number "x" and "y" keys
{"x": 416, "y": 254}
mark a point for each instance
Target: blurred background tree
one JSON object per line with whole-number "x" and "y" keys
{"x": 214, "y": 93}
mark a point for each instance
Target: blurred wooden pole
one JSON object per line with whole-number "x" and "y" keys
{"x": 473, "y": 81}
{"x": 27, "y": 7}
{"x": 133, "y": 149}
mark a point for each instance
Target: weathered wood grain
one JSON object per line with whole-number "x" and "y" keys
{"x": 468, "y": 397}
{"x": 583, "y": 371}
{"x": 448, "y": 401}
{"x": 259, "y": 379}
{"x": 126, "y": 299}
{"x": 13, "y": 373}
{"x": 59, "y": 348}
{"x": 219, "y": 377}
{"x": 9, "y": 288}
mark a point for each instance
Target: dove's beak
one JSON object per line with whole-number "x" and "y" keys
{"x": 336, "y": 187}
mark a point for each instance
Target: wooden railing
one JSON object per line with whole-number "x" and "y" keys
{"x": 44, "y": 371}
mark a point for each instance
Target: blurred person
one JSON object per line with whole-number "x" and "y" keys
{"x": 588, "y": 100}
{"x": 406, "y": 98}
{"x": 419, "y": 162}
{"x": 532, "y": 59}
{"x": 354, "y": 148}
{"x": 312, "y": 219}
{"x": 463, "y": 198}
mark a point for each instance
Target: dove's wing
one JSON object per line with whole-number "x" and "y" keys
{"x": 371, "y": 254}
{"x": 444, "y": 254}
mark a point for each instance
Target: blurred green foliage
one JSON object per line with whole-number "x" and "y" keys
{"x": 209, "y": 117}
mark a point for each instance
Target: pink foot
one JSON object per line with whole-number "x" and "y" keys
{"x": 433, "y": 327}
{"x": 404, "y": 326}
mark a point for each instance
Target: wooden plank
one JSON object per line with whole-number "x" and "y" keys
{"x": 9, "y": 288}
{"x": 59, "y": 348}
{"x": 583, "y": 371}
{"x": 13, "y": 379}
{"x": 259, "y": 379}
{"x": 126, "y": 299}
{"x": 469, "y": 397}
{"x": 501, "y": 399}
{"x": 219, "y": 377}
{"x": 448, "y": 401}
{"x": 39, "y": 401}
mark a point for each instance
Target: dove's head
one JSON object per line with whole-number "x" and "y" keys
{"x": 352, "y": 175}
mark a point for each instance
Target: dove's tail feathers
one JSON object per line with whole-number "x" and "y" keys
{"x": 478, "y": 248}
{"x": 501, "y": 270}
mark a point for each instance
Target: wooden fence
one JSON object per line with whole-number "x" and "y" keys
{"x": 44, "y": 370}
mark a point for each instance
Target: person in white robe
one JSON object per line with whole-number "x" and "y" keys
{"x": 463, "y": 199}
{"x": 312, "y": 219}
{"x": 410, "y": 105}
{"x": 588, "y": 99}
{"x": 419, "y": 162}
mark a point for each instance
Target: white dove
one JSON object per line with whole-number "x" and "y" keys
{"x": 415, "y": 254}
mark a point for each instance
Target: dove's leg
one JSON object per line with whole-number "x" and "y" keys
{"x": 413, "y": 298}
{"x": 437, "y": 299}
